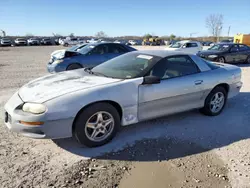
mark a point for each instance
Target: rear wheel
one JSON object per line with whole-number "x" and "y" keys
{"x": 97, "y": 124}
{"x": 215, "y": 102}
{"x": 74, "y": 66}
{"x": 66, "y": 44}
{"x": 221, "y": 59}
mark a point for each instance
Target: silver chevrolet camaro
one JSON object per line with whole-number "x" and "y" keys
{"x": 92, "y": 104}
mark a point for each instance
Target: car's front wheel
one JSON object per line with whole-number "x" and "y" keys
{"x": 221, "y": 60}
{"x": 215, "y": 101}
{"x": 96, "y": 125}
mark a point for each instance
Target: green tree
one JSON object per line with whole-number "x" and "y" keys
{"x": 71, "y": 35}
{"x": 147, "y": 36}
{"x": 172, "y": 37}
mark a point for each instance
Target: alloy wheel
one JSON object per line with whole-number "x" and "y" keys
{"x": 99, "y": 126}
{"x": 217, "y": 102}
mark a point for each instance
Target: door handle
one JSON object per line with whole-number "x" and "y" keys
{"x": 198, "y": 82}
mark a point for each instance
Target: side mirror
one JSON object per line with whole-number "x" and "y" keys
{"x": 151, "y": 80}
{"x": 184, "y": 46}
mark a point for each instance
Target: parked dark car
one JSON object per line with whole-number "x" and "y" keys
{"x": 88, "y": 56}
{"x": 227, "y": 53}
{"x": 46, "y": 41}
{"x": 5, "y": 42}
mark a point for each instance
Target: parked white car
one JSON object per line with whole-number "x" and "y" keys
{"x": 186, "y": 46}
{"x": 70, "y": 41}
{"x": 132, "y": 42}
{"x": 33, "y": 41}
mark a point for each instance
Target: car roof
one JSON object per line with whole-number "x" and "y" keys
{"x": 97, "y": 43}
{"x": 160, "y": 53}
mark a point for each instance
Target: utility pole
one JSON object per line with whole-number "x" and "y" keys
{"x": 228, "y": 31}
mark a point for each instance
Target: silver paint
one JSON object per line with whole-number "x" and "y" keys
{"x": 65, "y": 94}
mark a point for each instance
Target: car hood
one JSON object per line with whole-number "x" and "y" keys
{"x": 174, "y": 49}
{"x": 58, "y": 53}
{"x": 210, "y": 52}
{"x": 51, "y": 86}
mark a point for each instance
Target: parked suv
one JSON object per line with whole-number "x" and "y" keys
{"x": 70, "y": 41}
{"x": 33, "y": 41}
{"x": 5, "y": 42}
{"x": 46, "y": 41}
{"x": 20, "y": 42}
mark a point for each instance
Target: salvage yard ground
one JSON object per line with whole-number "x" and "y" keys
{"x": 184, "y": 150}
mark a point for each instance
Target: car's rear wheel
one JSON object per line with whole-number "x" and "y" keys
{"x": 74, "y": 66}
{"x": 66, "y": 44}
{"x": 96, "y": 125}
{"x": 248, "y": 60}
{"x": 221, "y": 59}
{"x": 215, "y": 102}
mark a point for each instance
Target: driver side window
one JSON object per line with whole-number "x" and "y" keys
{"x": 99, "y": 50}
{"x": 234, "y": 48}
{"x": 176, "y": 66}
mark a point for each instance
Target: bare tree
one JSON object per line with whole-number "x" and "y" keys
{"x": 214, "y": 23}
{"x": 100, "y": 34}
{"x": 29, "y": 35}
{"x": 3, "y": 33}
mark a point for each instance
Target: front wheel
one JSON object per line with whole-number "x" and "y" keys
{"x": 215, "y": 102}
{"x": 96, "y": 125}
{"x": 221, "y": 60}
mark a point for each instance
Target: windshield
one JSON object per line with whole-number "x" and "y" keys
{"x": 130, "y": 65}
{"x": 76, "y": 47}
{"x": 176, "y": 45}
{"x": 220, "y": 47}
{"x": 86, "y": 49}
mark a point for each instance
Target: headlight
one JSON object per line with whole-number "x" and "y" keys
{"x": 212, "y": 56}
{"x": 58, "y": 61}
{"x": 34, "y": 108}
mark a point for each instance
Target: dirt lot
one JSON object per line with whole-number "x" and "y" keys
{"x": 184, "y": 150}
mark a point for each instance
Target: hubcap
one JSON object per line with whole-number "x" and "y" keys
{"x": 217, "y": 102}
{"x": 99, "y": 126}
{"x": 221, "y": 60}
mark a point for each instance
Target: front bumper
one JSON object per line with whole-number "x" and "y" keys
{"x": 61, "y": 128}
{"x": 53, "y": 68}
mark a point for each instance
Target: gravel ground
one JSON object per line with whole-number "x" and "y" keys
{"x": 184, "y": 150}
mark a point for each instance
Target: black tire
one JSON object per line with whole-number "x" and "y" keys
{"x": 207, "y": 106}
{"x": 74, "y": 66}
{"x": 66, "y": 44}
{"x": 248, "y": 60}
{"x": 81, "y": 120}
{"x": 221, "y": 60}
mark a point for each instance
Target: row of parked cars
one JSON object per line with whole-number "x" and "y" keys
{"x": 25, "y": 42}
{"x": 119, "y": 86}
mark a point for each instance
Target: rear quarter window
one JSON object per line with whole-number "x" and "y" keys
{"x": 211, "y": 65}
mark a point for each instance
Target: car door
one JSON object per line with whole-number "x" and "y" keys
{"x": 180, "y": 88}
{"x": 96, "y": 56}
{"x": 233, "y": 54}
{"x": 244, "y": 52}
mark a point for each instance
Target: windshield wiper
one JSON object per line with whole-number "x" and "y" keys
{"x": 88, "y": 70}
